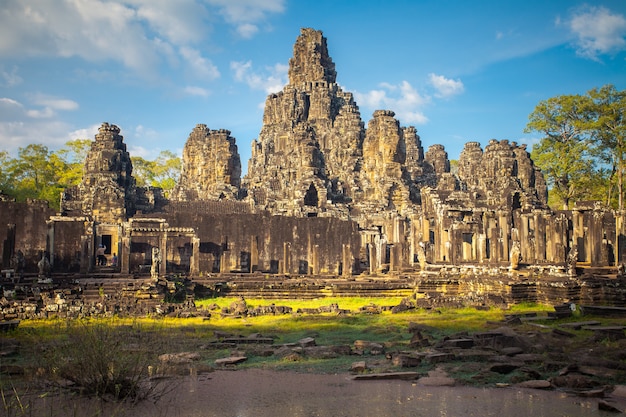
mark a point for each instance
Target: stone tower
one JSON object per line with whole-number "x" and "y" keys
{"x": 309, "y": 146}
{"x": 107, "y": 191}
{"x": 211, "y": 167}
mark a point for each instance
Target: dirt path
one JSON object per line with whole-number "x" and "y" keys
{"x": 262, "y": 393}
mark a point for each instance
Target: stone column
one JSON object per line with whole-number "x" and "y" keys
{"x": 505, "y": 232}
{"x": 194, "y": 264}
{"x": 124, "y": 255}
{"x": 163, "y": 249}
{"x": 254, "y": 253}
{"x": 540, "y": 238}
{"x": 224, "y": 262}
{"x": 286, "y": 264}
{"x": 50, "y": 242}
{"x": 595, "y": 233}
{"x": 481, "y": 252}
{"x": 620, "y": 226}
{"x": 86, "y": 258}
{"x": 315, "y": 260}
{"x": 393, "y": 257}
{"x": 373, "y": 259}
{"x": 346, "y": 260}
{"x": 578, "y": 234}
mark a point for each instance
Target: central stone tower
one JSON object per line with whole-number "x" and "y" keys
{"x": 310, "y": 145}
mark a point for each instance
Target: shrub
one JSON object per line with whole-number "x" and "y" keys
{"x": 104, "y": 360}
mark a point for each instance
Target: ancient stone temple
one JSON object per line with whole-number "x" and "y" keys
{"x": 326, "y": 194}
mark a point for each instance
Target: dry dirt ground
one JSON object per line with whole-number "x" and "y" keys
{"x": 265, "y": 393}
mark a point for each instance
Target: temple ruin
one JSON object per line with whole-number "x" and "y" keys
{"x": 325, "y": 195}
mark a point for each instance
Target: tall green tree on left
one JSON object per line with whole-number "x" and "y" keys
{"x": 38, "y": 173}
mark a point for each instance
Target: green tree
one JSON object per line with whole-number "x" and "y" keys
{"x": 33, "y": 175}
{"x": 565, "y": 154}
{"x": 70, "y": 160}
{"x": 608, "y": 128}
{"x": 5, "y": 182}
{"x": 163, "y": 172}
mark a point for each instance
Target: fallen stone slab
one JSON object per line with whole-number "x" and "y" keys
{"x": 459, "y": 343}
{"x": 504, "y": 368}
{"x": 359, "y": 366}
{"x": 511, "y": 351}
{"x": 306, "y": 342}
{"x": 233, "y": 360}
{"x": 605, "y": 406}
{"x": 619, "y": 391}
{"x": 439, "y": 357}
{"x": 248, "y": 340}
{"x": 603, "y": 310}
{"x": 437, "y": 381}
{"x": 579, "y": 324}
{"x": 405, "y": 376}
{"x": 406, "y": 361}
{"x": 179, "y": 358}
{"x": 535, "y": 384}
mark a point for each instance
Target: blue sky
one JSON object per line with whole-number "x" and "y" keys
{"x": 458, "y": 71}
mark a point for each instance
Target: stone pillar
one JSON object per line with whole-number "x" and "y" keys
{"x": 224, "y": 262}
{"x": 163, "y": 249}
{"x": 578, "y": 234}
{"x": 86, "y": 257}
{"x": 254, "y": 253}
{"x": 505, "y": 232}
{"x": 481, "y": 252}
{"x": 346, "y": 260}
{"x": 412, "y": 243}
{"x": 540, "y": 238}
{"x": 373, "y": 259}
{"x": 620, "y": 226}
{"x": 595, "y": 234}
{"x": 50, "y": 242}
{"x": 393, "y": 258}
{"x": 194, "y": 264}
{"x": 286, "y": 264}
{"x": 315, "y": 260}
{"x": 8, "y": 249}
{"x": 124, "y": 255}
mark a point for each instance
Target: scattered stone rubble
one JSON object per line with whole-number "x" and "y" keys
{"x": 506, "y": 354}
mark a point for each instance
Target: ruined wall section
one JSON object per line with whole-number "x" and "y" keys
{"x": 24, "y": 229}
{"x": 274, "y": 244}
{"x": 211, "y": 168}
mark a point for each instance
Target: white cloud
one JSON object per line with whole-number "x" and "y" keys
{"x": 598, "y": 31}
{"x": 140, "y": 34}
{"x": 196, "y": 91}
{"x": 445, "y": 87}
{"x": 247, "y": 30}
{"x": 403, "y": 99}
{"x": 84, "y": 133}
{"x": 200, "y": 66}
{"x": 55, "y": 103}
{"x": 21, "y": 125}
{"x": 50, "y": 105}
{"x": 270, "y": 80}
{"x": 9, "y": 78}
{"x": 244, "y": 14}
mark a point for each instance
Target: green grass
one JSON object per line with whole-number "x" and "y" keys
{"x": 196, "y": 334}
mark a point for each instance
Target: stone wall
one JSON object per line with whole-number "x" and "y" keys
{"x": 24, "y": 229}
